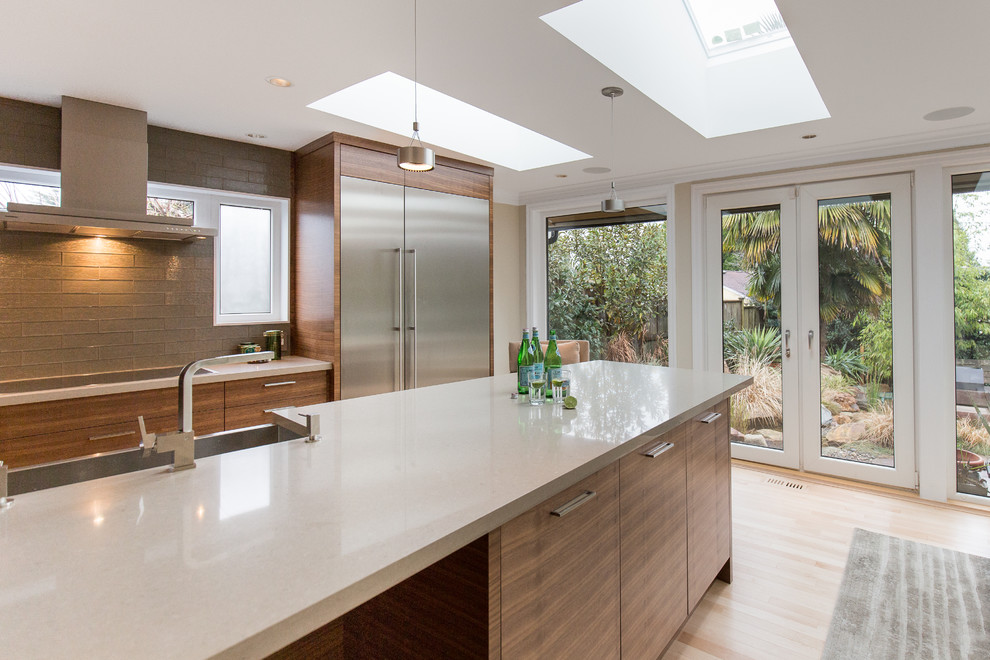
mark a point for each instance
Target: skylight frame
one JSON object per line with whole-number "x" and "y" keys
{"x": 735, "y": 46}
{"x": 385, "y": 102}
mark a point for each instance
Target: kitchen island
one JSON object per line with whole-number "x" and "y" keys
{"x": 255, "y": 549}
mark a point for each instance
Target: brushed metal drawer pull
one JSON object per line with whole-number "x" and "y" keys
{"x": 659, "y": 449}
{"x": 710, "y": 417}
{"x": 107, "y": 436}
{"x": 284, "y": 382}
{"x": 562, "y": 511}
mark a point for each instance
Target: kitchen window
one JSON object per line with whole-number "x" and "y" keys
{"x": 251, "y": 252}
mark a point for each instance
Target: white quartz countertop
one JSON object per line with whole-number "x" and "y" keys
{"x": 216, "y": 373}
{"x": 253, "y": 549}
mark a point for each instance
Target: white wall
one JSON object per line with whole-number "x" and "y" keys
{"x": 508, "y": 279}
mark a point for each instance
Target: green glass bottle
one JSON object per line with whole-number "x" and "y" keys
{"x": 552, "y": 362}
{"x": 524, "y": 365}
{"x": 537, "y": 352}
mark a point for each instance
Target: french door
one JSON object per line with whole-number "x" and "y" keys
{"x": 815, "y": 302}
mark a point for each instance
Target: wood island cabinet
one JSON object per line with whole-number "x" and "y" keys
{"x": 560, "y": 574}
{"x": 609, "y": 568}
{"x": 709, "y": 516}
{"x": 653, "y": 545}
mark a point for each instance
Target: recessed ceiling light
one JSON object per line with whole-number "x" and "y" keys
{"x": 278, "y": 82}
{"x": 597, "y": 170}
{"x": 661, "y": 54}
{"x": 809, "y": 136}
{"x": 386, "y": 102}
{"x": 256, "y": 136}
{"x": 949, "y": 113}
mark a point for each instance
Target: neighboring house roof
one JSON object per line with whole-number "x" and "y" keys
{"x": 735, "y": 284}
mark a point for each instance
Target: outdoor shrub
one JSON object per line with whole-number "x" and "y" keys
{"x": 757, "y": 345}
{"x": 761, "y": 400}
{"x": 847, "y": 362}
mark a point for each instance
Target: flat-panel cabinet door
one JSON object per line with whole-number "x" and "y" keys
{"x": 371, "y": 242}
{"x": 560, "y": 574}
{"x": 708, "y": 499}
{"x": 447, "y": 287}
{"x": 653, "y": 545}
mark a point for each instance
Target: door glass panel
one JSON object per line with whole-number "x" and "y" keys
{"x": 855, "y": 329}
{"x": 751, "y": 339}
{"x": 607, "y": 283}
{"x": 971, "y": 252}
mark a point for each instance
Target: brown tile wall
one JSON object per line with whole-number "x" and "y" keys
{"x": 30, "y": 134}
{"x": 188, "y": 159}
{"x": 71, "y": 305}
{"x": 75, "y": 305}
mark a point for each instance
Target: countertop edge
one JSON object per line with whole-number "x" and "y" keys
{"x": 224, "y": 373}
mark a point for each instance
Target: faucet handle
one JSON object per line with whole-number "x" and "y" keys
{"x": 148, "y": 440}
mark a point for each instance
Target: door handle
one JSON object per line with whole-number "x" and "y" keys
{"x": 400, "y": 354}
{"x": 811, "y": 337}
{"x": 787, "y": 343}
{"x": 412, "y": 326}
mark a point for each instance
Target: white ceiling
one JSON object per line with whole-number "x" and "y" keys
{"x": 200, "y": 66}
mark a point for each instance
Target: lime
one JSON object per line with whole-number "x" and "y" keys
{"x": 570, "y": 402}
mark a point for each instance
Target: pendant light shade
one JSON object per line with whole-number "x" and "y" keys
{"x": 612, "y": 204}
{"x": 415, "y": 157}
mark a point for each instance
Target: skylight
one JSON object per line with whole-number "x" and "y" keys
{"x": 386, "y": 102}
{"x": 727, "y": 25}
{"x": 659, "y": 48}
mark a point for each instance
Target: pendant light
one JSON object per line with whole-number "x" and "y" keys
{"x": 415, "y": 158}
{"x": 612, "y": 204}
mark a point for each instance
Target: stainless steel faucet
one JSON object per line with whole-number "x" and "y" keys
{"x": 182, "y": 443}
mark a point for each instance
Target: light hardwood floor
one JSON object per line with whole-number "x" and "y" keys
{"x": 789, "y": 552}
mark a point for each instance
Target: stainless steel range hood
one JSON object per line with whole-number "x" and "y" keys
{"x": 104, "y": 167}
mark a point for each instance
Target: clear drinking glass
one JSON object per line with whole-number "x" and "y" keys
{"x": 538, "y": 390}
{"x": 560, "y": 385}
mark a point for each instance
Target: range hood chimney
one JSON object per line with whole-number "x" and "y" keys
{"x": 104, "y": 180}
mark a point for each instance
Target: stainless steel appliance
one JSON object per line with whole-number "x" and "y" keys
{"x": 414, "y": 287}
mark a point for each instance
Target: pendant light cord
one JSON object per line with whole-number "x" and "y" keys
{"x": 611, "y": 123}
{"x": 416, "y": 61}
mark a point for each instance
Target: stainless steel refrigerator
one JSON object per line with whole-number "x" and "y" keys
{"x": 414, "y": 287}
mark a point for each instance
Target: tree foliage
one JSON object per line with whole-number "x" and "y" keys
{"x": 971, "y": 282}
{"x": 606, "y": 281}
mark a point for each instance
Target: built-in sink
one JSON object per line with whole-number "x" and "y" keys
{"x": 62, "y": 473}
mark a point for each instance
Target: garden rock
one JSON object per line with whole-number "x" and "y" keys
{"x": 843, "y": 418}
{"x": 826, "y": 417}
{"x": 846, "y": 402}
{"x": 845, "y": 434}
{"x": 755, "y": 439}
{"x": 735, "y": 436}
{"x": 771, "y": 435}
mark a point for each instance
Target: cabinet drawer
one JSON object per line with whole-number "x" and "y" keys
{"x": 62, "y": 445}
{"x": 46, "y": 417}
{"x": 560, "y": 574}
{"x": 254, "y": 414}
{"x": 266, "y": 391}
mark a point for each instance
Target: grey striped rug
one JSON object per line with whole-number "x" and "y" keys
{"x": 900, "y": 599}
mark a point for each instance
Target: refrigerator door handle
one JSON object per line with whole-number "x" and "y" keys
{"x": 400, "y": 354}
{"x": 412, "y": 324}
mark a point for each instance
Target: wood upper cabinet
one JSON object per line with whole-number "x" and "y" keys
{"x": 560, "y": 574}
{"x": 653, "y": 528}
{"x": 709, "y": 517}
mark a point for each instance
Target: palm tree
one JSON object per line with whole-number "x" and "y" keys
{"x": 853, "y": 256}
